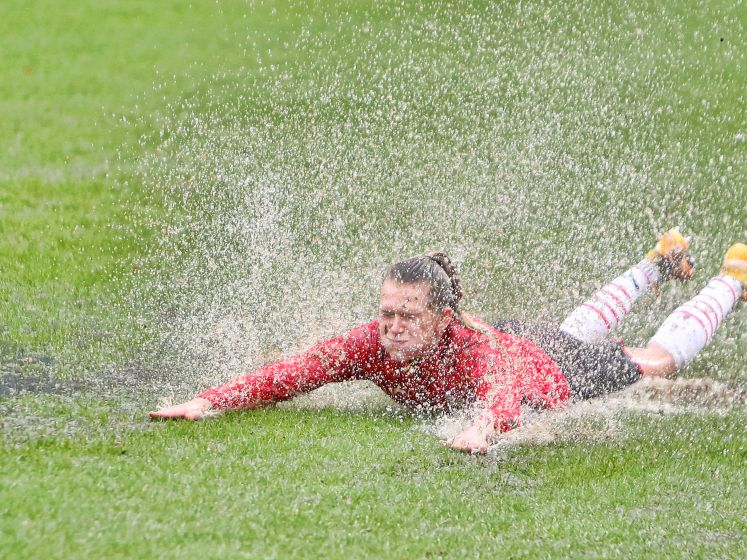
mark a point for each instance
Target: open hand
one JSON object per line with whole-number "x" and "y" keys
{"x": 190, "y": 410}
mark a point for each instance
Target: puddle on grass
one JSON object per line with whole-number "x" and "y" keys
{"x": 36, "y": 403}
{"x": 32, "y": 374}
{"x": 12, "y": 384}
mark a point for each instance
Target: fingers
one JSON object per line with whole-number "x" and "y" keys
{"x": 163, "y": 414}
{"x": 190, "y": 410}
{"x": 173, "y": 412}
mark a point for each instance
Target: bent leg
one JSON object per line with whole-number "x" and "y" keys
{"x": 688, "y": 329}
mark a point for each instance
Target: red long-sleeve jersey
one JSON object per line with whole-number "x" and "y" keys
{"x": 464, "y": 367}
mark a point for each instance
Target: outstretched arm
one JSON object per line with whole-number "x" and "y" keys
{"x": 326, "y": 362}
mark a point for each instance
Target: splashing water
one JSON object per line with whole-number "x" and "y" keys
{"x": 539, "y": 155}
{"x": 606, "y": 418}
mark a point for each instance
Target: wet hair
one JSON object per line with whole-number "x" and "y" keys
{"x": 436, "y": 270}
{"x": 442, "y": 275}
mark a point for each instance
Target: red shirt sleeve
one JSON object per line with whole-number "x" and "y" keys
{"x": 336, "y": 359}
{"x": 516, "y": 372}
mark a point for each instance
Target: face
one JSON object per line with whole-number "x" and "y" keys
{"x": 407, "y": 324}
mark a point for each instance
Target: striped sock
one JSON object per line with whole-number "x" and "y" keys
{"x": 599, "y": 316}
{"x": 690, "y": 327}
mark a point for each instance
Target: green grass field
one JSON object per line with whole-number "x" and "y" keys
{"x": 187, "y": 189}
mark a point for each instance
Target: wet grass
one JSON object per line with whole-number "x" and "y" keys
{"x": 86, "y": 90}
{"x": 300, "y": 484}
{"x": 76, "y": 82}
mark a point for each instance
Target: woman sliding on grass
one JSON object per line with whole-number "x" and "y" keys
{"x": 426, "y": 354}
